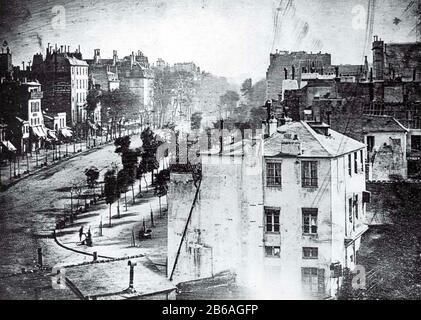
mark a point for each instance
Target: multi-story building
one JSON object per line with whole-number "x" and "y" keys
{"x": 64, "y": 76}
{"x": 103, "y": 72}
{"x": 286, "y": 65}
{"x": 23, "y": 110}
{"x": 280, "y": 213}
{"x": 137, "y": 77}
{"x": 6, "y": 66}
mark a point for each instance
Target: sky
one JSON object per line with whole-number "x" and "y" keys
{"x": 231, "y": 38}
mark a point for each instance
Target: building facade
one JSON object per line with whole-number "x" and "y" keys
{"x": 64, "y": 76}
{"x": 278, "y": 212}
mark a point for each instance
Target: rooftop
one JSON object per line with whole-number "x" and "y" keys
{"x": 381, "y": 124}
{"x": 313, "y": 144}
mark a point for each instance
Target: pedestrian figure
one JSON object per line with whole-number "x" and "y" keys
{"x": 89, "y": 238}
{"x": 80, "y": 233}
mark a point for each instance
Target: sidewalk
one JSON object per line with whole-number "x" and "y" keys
{"x": 116, "y": 245}
{"x": 12, "y": 172}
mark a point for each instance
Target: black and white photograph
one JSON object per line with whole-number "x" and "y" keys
{"x": 216, "y": 150}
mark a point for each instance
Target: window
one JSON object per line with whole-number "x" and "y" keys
{"x": 313, "y": 280}
{"x": 271, "y": 251}
{"x": 416, "y": 143}
{"x": 34, "y": 106}
{"x": 272, "y": 220}
{"x": 309, "y": 221}
{"x": 310, "y": 253}
{"x": 355, "y": 162}
{"x": 273, "y": 174}
{"x": 356, "y": 206}
{"x": 362, "y": 160}
{"x": 349, "y": 165}
{"x": 309, "y": 173}
{"x": 350, "y": 213}
{"x": 370, "y": 143}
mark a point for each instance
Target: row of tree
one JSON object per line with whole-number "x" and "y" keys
{"x": 136, "y": 162}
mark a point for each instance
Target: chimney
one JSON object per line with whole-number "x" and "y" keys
{"x": 268, "y": 106}
{"x": 68, "y": 49}
{"x": 286, "y": 73}
{"x": 293, "y": 73}
{"x": 273, "y": 126}
{"x": 114, "y": 57}
{"x": 61, "y": 49}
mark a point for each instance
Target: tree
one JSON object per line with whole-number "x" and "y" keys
{"x": 161, "y": 185}
{"x": 229, "y": 101}
{"x": 150, "y": 144}
{"x": 129, "y": 159}
{"x": 110, "y": 186}
{"x": 196, "y": 120}
{"x": 122, "y": 144}
{"x": 122, "y": 183}
{"x": 92, "y": 176}
{"x": 118, "y": 105}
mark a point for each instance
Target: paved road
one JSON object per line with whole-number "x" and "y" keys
{"x": 28, "y": 209}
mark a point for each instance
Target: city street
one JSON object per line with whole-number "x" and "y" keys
{"x": 30, "y": 208}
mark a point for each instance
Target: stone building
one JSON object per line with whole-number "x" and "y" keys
{"x": 137, "y": 77}
{"x": 290, "y": 65}
{"x": 396, "y": 60}
{"x": 103, "y": 72}
{"x": 22, "y": 108}
{"x": 64, "y": 76}
{"x": 278, "y": 212}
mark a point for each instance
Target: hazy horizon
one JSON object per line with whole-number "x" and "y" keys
{"x": 227, "y": 38}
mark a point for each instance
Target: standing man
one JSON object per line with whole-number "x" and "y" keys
{"x": 80, "y": 233}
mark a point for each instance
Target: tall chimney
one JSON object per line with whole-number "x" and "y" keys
{"x": 273, "y": 126}
{"x": 293, "y": 73}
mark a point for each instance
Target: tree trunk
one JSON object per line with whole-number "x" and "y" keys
{"x": 133, "y": 198}
{"x": 118, "y": 207}
{"x": 152, "y": 223}
{"x": 110, "y": 215}
{"x": 160, "y": 213}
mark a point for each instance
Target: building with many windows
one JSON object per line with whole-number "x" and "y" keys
{"x": 278, "y": 212}
{"x": 64, "y": 77}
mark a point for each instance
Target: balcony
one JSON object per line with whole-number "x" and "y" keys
{"x": 36, "y": 95}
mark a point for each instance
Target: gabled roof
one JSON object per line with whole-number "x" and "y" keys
{"x": 313, "y": 144}
{"x": 76, "y": 62}
{"x": 381, "y": 124}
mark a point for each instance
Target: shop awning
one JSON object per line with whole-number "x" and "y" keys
{"x": 9, "y": 146}
{"x": 52, "y": 134}
{"x": 93, "y": 125}
{"x": 66, "y": 132}
{"x": 38, "y": 132}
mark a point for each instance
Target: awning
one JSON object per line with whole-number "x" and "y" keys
{"x": 9, "y": 145}
{"x": 93, "y": 126}
{"x": 66, "y": 132}
{"x": 52, "y": 134}
{"x": 38, "y": 132}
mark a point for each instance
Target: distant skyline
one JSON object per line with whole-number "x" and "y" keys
{"x": 227, "y": 38}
